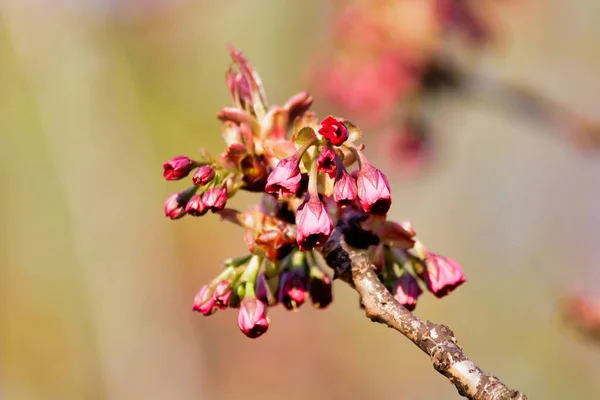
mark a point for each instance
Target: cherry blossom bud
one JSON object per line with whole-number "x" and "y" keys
{"x": 344, "y": 190}
{"x": 177, "y": 167}
{"x": 252, "y": 317}
{"x": 441, "y": 274}
{"x": 173, "y": 209}
{"x": 204, "y": 302}
{"x": 285, "y": 178}
{"x": 320, "y": 290}
{"x": 373, "y": 192}
{"x": 406, "y": 290}
{"x": 215, "y": 198}
{"x": 313, "y": 222}
{"x": 327, "y": 162}
{"x": 195, "y": 206}
{"x": 293, "y": 288}
{"x": 222, "y": 294}
{"x": 176, "y": 203}
{"x": 203, "y": 175}
{"x": 334, "y": 131}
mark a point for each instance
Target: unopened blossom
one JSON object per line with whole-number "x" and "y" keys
{"x": 215, "y": 198}
{"x": 204, "y": 302}
{"x": 285, "y": 177}
{"x": 175, "y": 206}
{"x": 293, "y": 288}
{"x": 333, "y": 130}
{"x": 313, "y": 222}
{"x": 195, "y": 206}
{"x": 222, "y": 294}
{"x": 374, "y": 192}
{"x": 320, "y": 291}
{"x": 326, "y": 162}
{"x": 177, "y": 167}
{"x": 252, "y": 317}
{"x": 441, "y": 274}
{"x": 344, "y": 189}
{"x": 407, "y": 291}
{"x": 203, "y": 175}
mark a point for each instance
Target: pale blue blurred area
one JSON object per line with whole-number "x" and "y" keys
{"x": 96, "y": 284}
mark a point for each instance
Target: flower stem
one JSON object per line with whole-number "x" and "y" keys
{"x": 251, "y": 274}
{"x": 357, "y": 154}
{"x": 236, "y": 262}
{"x": 312, "y": 179}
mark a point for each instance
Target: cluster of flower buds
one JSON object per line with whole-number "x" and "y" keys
{"x": 313, "y": 176}
{"x": 402, "y": 262}
{"x": 253, "y": 283}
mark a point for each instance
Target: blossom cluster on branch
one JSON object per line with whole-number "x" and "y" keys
{"x": 312, "y": 175}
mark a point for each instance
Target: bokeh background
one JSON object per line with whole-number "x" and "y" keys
{"x": 96, "y": 285}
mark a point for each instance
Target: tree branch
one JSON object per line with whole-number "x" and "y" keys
{"x": 437, "y": 341}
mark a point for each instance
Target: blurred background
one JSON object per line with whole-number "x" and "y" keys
{"x": 96, "y": 285}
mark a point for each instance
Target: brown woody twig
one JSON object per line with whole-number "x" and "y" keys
{"x": 437, "y": 341}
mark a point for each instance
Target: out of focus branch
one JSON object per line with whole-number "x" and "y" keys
{"x": 437, "y": 341}
{"x": 582, "y": 131}
{"x": 444, "y": 73}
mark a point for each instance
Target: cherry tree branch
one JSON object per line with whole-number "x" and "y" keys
{"x": 437, "y": 341}
{"x": 582, "y": 131}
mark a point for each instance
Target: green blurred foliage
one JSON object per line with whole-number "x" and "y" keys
{"x": 96, "y": 285}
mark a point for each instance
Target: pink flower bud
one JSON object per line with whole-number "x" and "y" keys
{"x": 177, "y": 168}
{"x": 334, "y": 131}
{"x": 203, "y": 175}
{"x": 215, "y": 198}
{"x": 373, "y": 190}
{"x": 327, "y": 162}
{"x": 293, "y": 287}
{"x": 442, "y": 274}
{"x": 285, "y": 178}
{"x": 222, "y": 294}
{"x": 252, "y": 317}
{"x": 406, "y": 290}
{"x": 204, "y": 302}
{"x": 344, "y": 190}
{"x": 175, "y": 206}
{"x": 320, "y": 291}
{"x": 313, "y": 222}
{"x": 195, "y": 206}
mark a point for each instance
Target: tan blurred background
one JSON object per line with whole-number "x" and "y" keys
{"x": 96, "y": 285}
